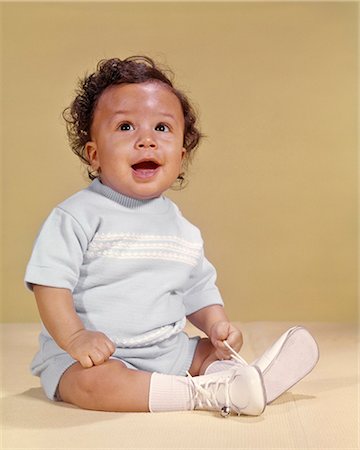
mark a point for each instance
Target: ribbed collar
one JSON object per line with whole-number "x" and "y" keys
{"x": 157, "y": 205}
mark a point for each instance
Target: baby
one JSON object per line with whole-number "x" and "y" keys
{"x": 116, "y": 269}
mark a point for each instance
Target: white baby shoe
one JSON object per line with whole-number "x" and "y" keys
{"x": 284, "y": 364}
{"x": 240, "y": 390}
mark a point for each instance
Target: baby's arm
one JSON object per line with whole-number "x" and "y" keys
{"x": 215, "y": 324}
{"x": 56, "y": 308}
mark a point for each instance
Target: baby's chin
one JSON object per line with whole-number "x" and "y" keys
{"x": 141, "y": 191}
{"x": 145, "y": 183}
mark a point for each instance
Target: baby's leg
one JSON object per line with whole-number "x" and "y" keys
{"x": 110, "y": 386}
{"x": 204, "y": 356}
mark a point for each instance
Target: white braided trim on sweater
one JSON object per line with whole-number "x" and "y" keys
{"x": 95, "y": 246}
{"x": 151, "y": 337}
{"x": 143, "y": 246}
{"x": 149, "y": 255}
{"x": 146, "y": 237}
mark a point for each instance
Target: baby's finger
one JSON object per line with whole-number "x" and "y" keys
{"x": 221, "y": 347}
{"x": 222, "y": 331}
{"x": 110, "y": 346}
{"x": 235, "y": 342}
{"x": 232, "y": 349}
{"x": 222, "y": 354}
{"x": 97, "y": 357}
{"x": 107, "y": 350}
{"x": 86, "y": 362}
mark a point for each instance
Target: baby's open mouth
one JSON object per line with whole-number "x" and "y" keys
{"x": 145, "y": 165}
{"x": 145, "y": 169}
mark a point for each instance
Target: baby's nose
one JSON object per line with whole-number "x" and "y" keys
{"x": 146, "y": 142}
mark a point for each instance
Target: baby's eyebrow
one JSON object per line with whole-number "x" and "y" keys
{"x": 123, "y": 112}
{"x": 164, "y": 114}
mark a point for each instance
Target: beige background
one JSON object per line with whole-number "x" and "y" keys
{"x": 273, "y": 187}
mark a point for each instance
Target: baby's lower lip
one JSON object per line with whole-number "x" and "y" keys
{"x": 145, "y": 174}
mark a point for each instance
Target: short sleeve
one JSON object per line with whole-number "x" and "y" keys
{"x": 201, "y": 289}
{"x": 58, "y": 252}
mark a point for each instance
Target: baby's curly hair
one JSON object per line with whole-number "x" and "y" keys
{"x": 134, "y": 69}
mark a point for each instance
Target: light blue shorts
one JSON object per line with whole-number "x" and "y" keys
{"x": 172, "y": 356}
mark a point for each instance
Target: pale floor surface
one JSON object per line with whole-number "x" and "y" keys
{"x": 321, "y": 412}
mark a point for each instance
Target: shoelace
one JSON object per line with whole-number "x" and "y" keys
{"x": 234, "y": 355}
{"x": 204, "y": 395}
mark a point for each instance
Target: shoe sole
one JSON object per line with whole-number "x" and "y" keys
{"x": 296, "y": 357}
{"x": 260, "y": 386}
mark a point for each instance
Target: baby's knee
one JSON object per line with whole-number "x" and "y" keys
{"x": 99, "y": 378}
{"x": 83, "y": 386}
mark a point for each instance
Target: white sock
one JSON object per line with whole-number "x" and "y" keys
{"x": 169, "y": 393}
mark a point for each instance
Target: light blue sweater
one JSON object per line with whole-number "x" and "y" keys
{"x": 136, "y": 268}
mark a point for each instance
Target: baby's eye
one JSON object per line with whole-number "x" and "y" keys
{"x": 126, "y": 126}
{"x": 162, "y": 127}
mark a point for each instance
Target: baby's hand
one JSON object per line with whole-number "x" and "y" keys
{"x": 90, "y": 348}
{"x": 225, "y": 331}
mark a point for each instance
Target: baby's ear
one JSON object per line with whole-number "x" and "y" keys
{"x": 92, "y": 155}
{"x": 183, "y": 153}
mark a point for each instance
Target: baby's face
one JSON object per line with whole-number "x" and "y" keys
{"x": 137, "y": 139}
